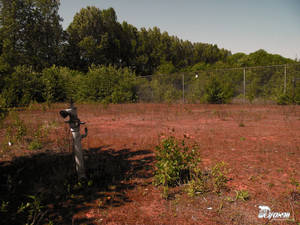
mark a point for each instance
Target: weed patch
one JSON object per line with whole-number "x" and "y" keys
{"x": 242, "y": 195}
{"x": 178, "y": 164}
{"x": 174, "y": 162}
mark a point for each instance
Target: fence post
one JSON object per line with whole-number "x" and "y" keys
{"x": 284, "y": 79}
{"x": 183, "y": 88}
{"x": 244, "y": 84}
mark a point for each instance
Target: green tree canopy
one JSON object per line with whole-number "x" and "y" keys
{"x": 30, "y": 32}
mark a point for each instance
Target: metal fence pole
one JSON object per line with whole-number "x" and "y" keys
{"x": 244, "y": 85}
{"x": 183, "y": 88}
{"x": 284, "y": 79}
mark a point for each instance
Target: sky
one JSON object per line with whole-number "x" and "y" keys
{"x": 236, "y": 25}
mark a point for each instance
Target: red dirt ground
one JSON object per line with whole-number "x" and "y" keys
{"x": 260, "y": 144}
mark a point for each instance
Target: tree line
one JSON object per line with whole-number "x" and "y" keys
{"x": 40, "y": 61}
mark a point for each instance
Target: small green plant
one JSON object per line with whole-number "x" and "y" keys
{"x": 33, "y": 209}
{"x": 20, "y": 127}
{"x": 198, "y": 184}
{"x": 36, "y": 142}
{"x": 241, "y": 124}
{"x": 229, "y": 199}
{"x": 242, "y": 195}
{"x": 217, "y": 92}
{"x": 219, "y": 176}
{"x": 4, "y": 206}
{"x": 174, "y": 163}
{"x": 283, "y": 99}
{"x": 294, "y": 182}
{"x": 213, "y": 180}
{"x": 16, "y": 130}
{"x": 35, "y": 145}
{"x": 3, "y": 114}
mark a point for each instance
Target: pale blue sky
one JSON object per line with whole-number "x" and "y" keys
{"x": 236, "y": 25}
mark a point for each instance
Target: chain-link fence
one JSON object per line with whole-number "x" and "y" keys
{"x": 248, "y": 84}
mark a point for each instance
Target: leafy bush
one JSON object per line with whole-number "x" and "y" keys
{"x": 177, "y": 163}
{"x": 36, "y": 142}
{"x": 54, "y": 85}
{"x": 35, "y": 145}
{"x": 166, "y": 88}
{"x": 174, "y": 163}
{"x": 166, "y": 68}
{"x": 283, "y": 99}
{"x": 3, "y": 109}
{"x": 219, "y": 178}
{"x": 242, "y": 195}
{"x": 144, "y": 90}
{"x": 22, "y": 87}
{"x": 213, "y": 180}
{"x": 17, "y": 130}
{"x": 217, "y": 92}
{"x": 109, "y": 84}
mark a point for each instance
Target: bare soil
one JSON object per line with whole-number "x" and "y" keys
{"x": 259, "y": 143}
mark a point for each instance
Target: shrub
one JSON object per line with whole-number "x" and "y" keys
{"x": 22, "y": 87}
{"x": 36, "y": 142}
{"x": 242, "y": 195}
{"x": 219, "y": 178}
{"x": 54, "y": 85}
{"x": 109, "y": 84}
{"x": 174, "y": 162}
{"x": 166, "y": 88}
{"x": 213, "y": 180}
{"x": 35, "y": 145}
{"x": 3, "y": 109}
{"x": 283, "y": 99}
{"x": 166, "y": 68}
{"x": 177, "y": 163}
{"x": 17, "y": 130}
{"x": 217, "y": 92}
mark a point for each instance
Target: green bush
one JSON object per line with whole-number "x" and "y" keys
{"x": 166, "y": 88}
{"x": 22, "y": 87}
{"x": 166, "y": 68}
{"x": 217, "y": 92}
{"x": 16, "y": 130}
{"x": 109, "y": 84}
{"x": 177, "y": 164}
{"x": 35, "y": 145}
{"x": 174, "y": 163}
{"x": 283, "y": 99}
{"x": 242, "y": 195}
{"x": 36, "y": 142}
{"x": 219, "y": 178}
{"x": 213, "y": 180}
{"x": 3, "y": 109}
{"x": 144, "y": 91}
{"x": 54, "y": 85}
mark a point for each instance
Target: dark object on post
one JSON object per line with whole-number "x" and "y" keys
{"x": 75, "y": 123}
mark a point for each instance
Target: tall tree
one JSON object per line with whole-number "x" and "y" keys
{"x": 94, "y": 38}
{"x": 31, "y": 32}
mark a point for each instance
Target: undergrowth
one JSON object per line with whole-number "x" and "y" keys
{"x": 179, "y": 164}
{"x": 23, "y": 135}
